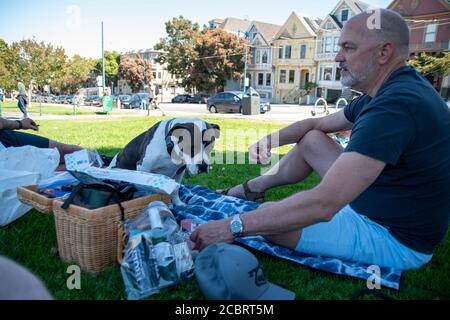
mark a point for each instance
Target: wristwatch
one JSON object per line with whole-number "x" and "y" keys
{"x": 236, "y": 226}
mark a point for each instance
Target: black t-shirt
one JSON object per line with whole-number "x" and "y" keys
{"x": 406, "y": 125}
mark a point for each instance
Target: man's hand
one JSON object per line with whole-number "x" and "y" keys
{"x": 209, "y": 233}
{"x": 27, "y": 123}
{"x": 260, "y": 152}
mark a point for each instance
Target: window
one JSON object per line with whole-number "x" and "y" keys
{"x": 280, "y": 53}
{"x": 430, "y": 33}
{"x": 344, "y": 15}
{"x": 327, "y": 73}
{"x": 268, "y": 79}
{"x": 282, "y": 76}
{"x": 154, "y": 74}
{"x": 336, "y": 45}
{"x": 307, "y": 77}
{"x": 303, "y": 51}
{"x": 319, "y": 92}
{"x": 258, "y": 56}
{"x": 260, "y": 79}
{"x": 287, "y": 52}
{"x": 264, "y": 57}
{"x": 328, "y": 43}
{"x": 159, "y": 75}
{"x": 338, "y": 74}
{"x": 291, "y": 76}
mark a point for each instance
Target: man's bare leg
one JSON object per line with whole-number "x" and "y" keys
{"x": 315, "y": 152}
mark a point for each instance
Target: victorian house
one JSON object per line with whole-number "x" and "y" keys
{"x": 259, "y": 72}
{"x": 328, "y": 71}
{"x": 429, "y": 24}
{"x": 293, "y": 58}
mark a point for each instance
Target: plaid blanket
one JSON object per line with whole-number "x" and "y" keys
{"x": 204, "y": 204}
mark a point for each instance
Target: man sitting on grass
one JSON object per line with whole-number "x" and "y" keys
{"x": 385, "y": 199}
{"x": 11, "y": 138}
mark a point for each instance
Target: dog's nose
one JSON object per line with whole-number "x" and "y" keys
{"x": 203, "y": 168}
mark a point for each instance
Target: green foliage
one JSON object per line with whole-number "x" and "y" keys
{"x": 432, "y": 66}
{"x": 136, "y": 71}
{"x": 34, "y": 62}
{"x": 203, "y": 60}
{"x": 112, "y": 60}
{"x": 309, "y": 87}
{"x": 74, "y": 74}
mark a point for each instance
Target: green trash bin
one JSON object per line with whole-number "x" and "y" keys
{"x": 107, "y": 103}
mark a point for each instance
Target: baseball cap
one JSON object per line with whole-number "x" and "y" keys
{"x": 230, "y": 272}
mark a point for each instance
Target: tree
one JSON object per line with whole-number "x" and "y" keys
{"x": 135, "y": 71}
{"x": 35, "y": 62}
{"x": 112, "y": 60}
{"x": 221, "y": 57}
{"x": 203, "y": 60}
{"x": 6, "y": 78}
{"x": 75, "y": 74}
{"x": 431, "y": 66}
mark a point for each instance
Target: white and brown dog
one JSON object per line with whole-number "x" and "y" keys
{"x": 170, "y": 147}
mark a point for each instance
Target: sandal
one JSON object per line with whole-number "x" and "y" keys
{"x": 248, "y": 194}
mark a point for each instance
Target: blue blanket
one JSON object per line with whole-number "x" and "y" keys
{"x": 204, "y": 204}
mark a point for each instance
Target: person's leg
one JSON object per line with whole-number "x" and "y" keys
{"x": 63, "y": 149}
{"x": 315, "y": 152}
{"x": 22, "y": 106}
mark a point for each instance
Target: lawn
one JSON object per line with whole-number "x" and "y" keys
{"x": 47, "y": 109}
{"x": 30, "y": 239}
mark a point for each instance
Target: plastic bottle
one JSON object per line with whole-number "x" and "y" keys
{"x": 163, "y": 250}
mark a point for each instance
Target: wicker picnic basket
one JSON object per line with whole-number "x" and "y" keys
{"x": 90, "y": 238}
{"x": 30, "y": 196}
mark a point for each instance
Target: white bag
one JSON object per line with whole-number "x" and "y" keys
{"x": 30, "y": 158}
{"x": 21, "y": 166}
{"x": 10, "y": 207}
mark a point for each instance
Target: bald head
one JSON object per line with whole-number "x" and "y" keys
{"x": 384, "y": 25}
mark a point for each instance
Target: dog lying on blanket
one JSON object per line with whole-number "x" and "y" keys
{"x": 170, "y": 147}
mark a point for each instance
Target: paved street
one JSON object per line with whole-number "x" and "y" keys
{"x": 279, "y": 113}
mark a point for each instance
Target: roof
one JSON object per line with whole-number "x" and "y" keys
{"x": 267, "y": 30}
{"x": 314, "y": 23}
{"x": 361, "y": 5}
{"x": 235, "y": 25}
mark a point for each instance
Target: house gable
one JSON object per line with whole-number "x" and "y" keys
{"x": 330, "y": 23}
{"x": 295, "y": 27}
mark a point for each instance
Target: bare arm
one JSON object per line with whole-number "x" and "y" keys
{"x": 304, "y": 208}
{"x": 260, "y": 151}
{"x": 18, "y": 124}
{"x": 331, "y": 123}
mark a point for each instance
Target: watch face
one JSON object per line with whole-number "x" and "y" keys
{"x": 236, "y": 227}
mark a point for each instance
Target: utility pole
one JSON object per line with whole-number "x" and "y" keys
{"x": 103, "y": 62}
{"x": 245, "y": 61}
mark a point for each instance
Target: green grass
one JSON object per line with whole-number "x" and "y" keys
{"x": 30, "y": 239}
{"x": 46, "y": 109}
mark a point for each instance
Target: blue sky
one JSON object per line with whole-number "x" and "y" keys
{"x": 134, "y": 24}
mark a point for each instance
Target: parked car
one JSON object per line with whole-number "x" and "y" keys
{"x": 2, "y": 95}
{"x": 125, "y": 100}
{"x": 201, "y": 98}
{"x": 181, "y": 98}
{"x": 231, "y": 101}
{"x": 93, "y": 101}
{"x": 138, "y": 99}
{"x": 61, "y": 99}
